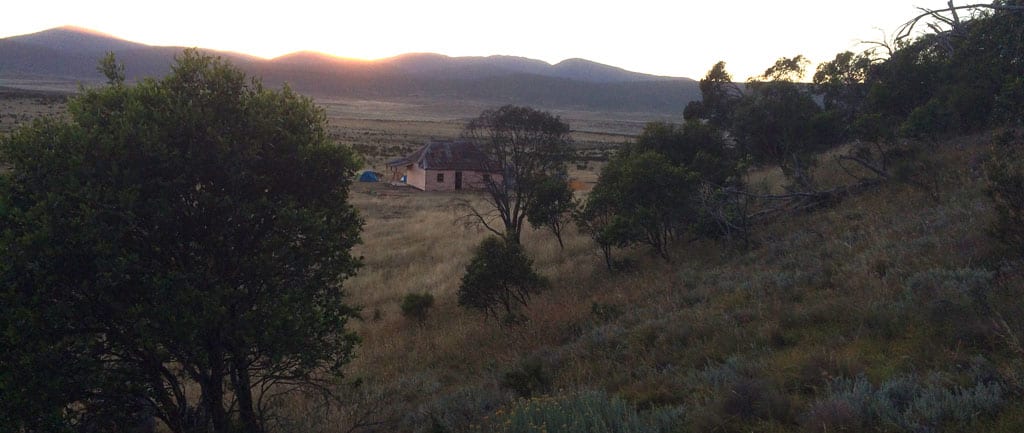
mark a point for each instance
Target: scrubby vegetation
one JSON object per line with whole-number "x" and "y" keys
{"x": 849, "y": 266}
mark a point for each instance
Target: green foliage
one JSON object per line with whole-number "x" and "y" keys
{"x": 586, "y": 411}
{"x": 1008, "y": 109}
{"x": 775, "y": 125}
{"x": 499, "y": 279}
{"x": 950, "y": 82}
{"x": 1005, "y": 174}
{"x": 790, "y": 69}
{"x": 416, "y": 306}
{"x": 646, "y": 199}
{"x": 702, "y": 149}
{"x": 111, "y": 69}
{"x": 670, "y": 183}
{"x": 841, "y": 83}
{"x": 525, "y": 145}
{"x": 199, "y": 221}
{"x": 551, "y": 205}
{"x": 903, "y": 82}
{"x": 597, "y": 217}
{"x": 719, "y": 95}
{"x": 699, "y": 147}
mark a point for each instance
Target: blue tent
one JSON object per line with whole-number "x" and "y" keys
{"x": 369, "y": 176}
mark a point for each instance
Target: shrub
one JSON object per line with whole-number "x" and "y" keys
{"x": 1005, "y": 174}
{"x": 417, "y": 305}
{"x": 902, "y": 404}
{"x": 605, "y": 312}
{"x": 456, "y": 411}
{"x": 498, "y": 279}
{"x": 586, "y": 411}
{"x": 952, "y": 301}
{"x": 529, "y": 380}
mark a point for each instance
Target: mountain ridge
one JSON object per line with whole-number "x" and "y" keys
{"x": 72, "y": 53}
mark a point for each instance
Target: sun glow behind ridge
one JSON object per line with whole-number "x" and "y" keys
{"x": 651, "y": 36}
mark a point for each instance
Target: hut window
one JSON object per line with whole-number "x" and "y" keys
{"x": 440, "y": 177}
{"x": 487, "y": 178}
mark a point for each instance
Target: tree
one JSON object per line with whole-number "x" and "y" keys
{"x": 526, "y": 145}
{"x": 111, "y": 69}
{"x": 552, "y": 203}
{"x": 597, "y": 217}
{"x": 499, "y": 279}
{"x": 417, "y": 305}
{"x": 191, "y": 233}
{"x": 702, "y": 149}
{"x": 640, "y": 197}
{"x": 697, "y": 146}
{"x": 841, "y": 82}
{"x": 719, "y": 94}
{"x": 775, "y": 123}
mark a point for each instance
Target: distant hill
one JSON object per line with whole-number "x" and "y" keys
{"x": 72, "y": 53}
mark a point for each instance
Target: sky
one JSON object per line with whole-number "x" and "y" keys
{"x": 681, "y": 38}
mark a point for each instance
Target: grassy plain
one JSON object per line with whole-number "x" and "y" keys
{"x": 20, "y": 106}
{"x": 387, "y": 130}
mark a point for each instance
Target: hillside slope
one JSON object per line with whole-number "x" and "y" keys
{"x": 850, "y": 318}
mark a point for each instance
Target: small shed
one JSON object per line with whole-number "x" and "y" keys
{"x": 445, "y": 166}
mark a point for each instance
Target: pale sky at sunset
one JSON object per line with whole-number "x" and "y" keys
{"x": 663, "y": 37}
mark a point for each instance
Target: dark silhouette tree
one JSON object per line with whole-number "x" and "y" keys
{"x": 841, "y": 82}
{"x": 417, "y": 306}
{"x": 525, "y": 145}
{"x": 180, "y": 235}
{"x": 499, "y": 279}
{"x": 719, "y": 95}
{"x": 775, "y": 122}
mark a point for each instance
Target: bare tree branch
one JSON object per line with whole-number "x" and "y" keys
{"x": 907, "y": 28}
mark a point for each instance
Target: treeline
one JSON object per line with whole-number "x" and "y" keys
{"x": 890, "y": 102}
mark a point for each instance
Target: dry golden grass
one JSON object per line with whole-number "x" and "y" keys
{"x": 18, "y": 107}
{"x": 412, "y": 243}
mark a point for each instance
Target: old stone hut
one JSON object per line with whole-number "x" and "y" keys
{"x": 445, "y": 166}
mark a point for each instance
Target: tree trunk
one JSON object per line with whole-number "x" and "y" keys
{"x": 558, "y": 235}
{"x": 607, "y": 250}
{"x": 213, "y": 393}
{"x": 243, "y": 392}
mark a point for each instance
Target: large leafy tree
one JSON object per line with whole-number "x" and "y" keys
{"x": 698, "y": 146}
{"x": 775, "y": 122}
{"x": 181, "y": 235}
{"x": 841, "y": 82}
{"x": 640, "y": 197}
{"x": 526, "y": 146}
